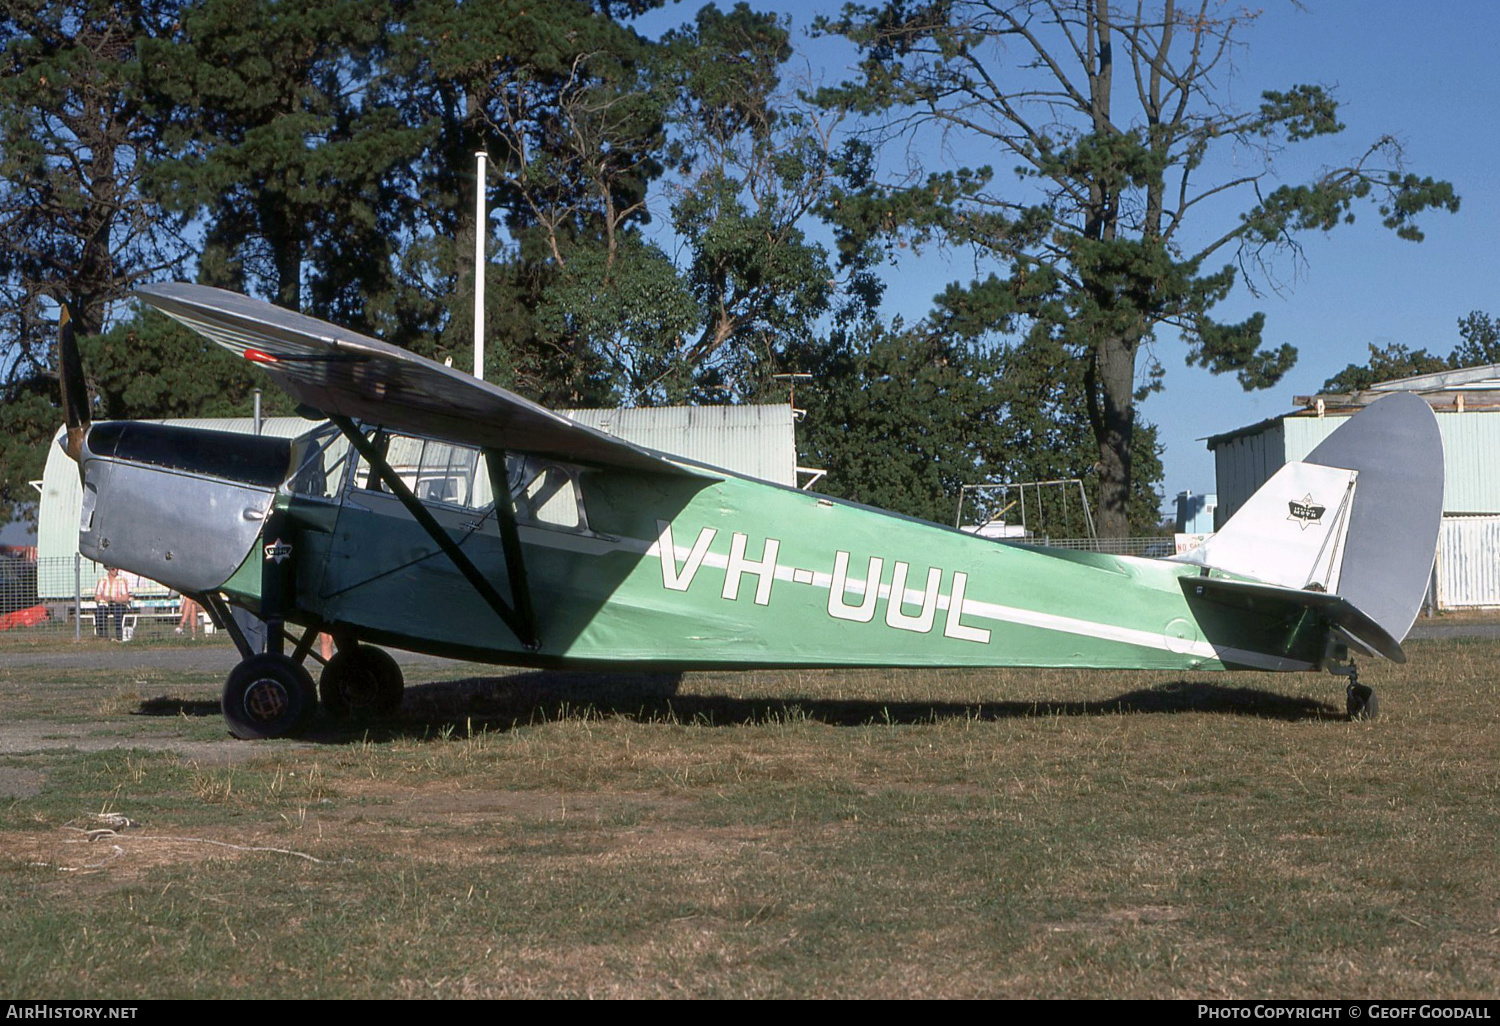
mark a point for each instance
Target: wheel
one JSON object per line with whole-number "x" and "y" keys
{"x": 361, "y": 681}
{"x": 267, "y": 695}
{"x": 1361, "y": 702}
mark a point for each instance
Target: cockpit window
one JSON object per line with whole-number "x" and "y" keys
{"x": 445, "y": 473}
{"x": 436, "y": 472}
{"x": 321, "y": 456}
{"x": 544, "y": 493}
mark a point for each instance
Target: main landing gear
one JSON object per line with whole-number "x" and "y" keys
{"x": 267, "y": 695}
{"x": 361, "y": 680}
{"x": 272, "y": 695}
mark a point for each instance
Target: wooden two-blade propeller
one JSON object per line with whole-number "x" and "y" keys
{"x": 75, "y": 393}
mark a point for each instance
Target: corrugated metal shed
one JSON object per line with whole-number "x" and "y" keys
{"x": 1468, "y": 571}
{"x": 1243, "y": 461}
{"x": 756, "y": 441}
{"x": 1467, "y": 404}
{"x": 1246, "y": 459}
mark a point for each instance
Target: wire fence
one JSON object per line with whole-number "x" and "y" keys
{"x": 55, "y": 596}
{"x": 1154, "y": 548}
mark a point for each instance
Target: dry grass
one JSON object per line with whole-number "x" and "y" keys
{"x": 870, "y": 834}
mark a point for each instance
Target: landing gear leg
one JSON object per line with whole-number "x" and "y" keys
{"x": 1359, "y": 698}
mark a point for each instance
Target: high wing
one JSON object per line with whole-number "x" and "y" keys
{"x": 343, "y": 373}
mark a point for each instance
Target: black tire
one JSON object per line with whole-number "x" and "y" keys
{"x": 1361, "y": 702}
{"x": 361, "y": 681}
{"x": 267, "y": 695}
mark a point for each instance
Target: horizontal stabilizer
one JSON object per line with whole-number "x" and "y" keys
{"x": 1334, "y": 609}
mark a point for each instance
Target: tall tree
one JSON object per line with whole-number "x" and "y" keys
{"x": 1387, "y": 363}
{"x": 902, "y": 417}
{"x": 76, "y": 136}
{"x": 757, "y": 167}
{"x": 743, "y": 169}
{"x": 1478, "y": 346}
{"x": 551, "y": 92}
{"x": 1479, "y": 341}
{"x": 278, "y": 147}
{"x": 592, "y": 130}
{"x": 1115, "y": 122}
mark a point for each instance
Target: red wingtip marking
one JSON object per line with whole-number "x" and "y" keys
{"x": 257, "y": 356}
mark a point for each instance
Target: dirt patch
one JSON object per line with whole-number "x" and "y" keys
{"x": 20, "y": 783}
{"x": 21, "y": 737}
{"x": 1114, "y": 919}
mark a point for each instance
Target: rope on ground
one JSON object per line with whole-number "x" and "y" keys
{"x": 104, "y": 833}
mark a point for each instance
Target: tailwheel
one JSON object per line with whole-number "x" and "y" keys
{"x": 361, "y": 680}
{"x": 267, "y": 695}
{"x": 1361, "y": 701}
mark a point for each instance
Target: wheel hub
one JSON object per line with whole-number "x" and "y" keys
{"x": 266, "y": 699}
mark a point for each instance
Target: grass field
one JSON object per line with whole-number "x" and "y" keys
{"x": 852, "y": 834}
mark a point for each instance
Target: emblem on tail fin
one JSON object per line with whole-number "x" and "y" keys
{"x": 1306, "y": 511}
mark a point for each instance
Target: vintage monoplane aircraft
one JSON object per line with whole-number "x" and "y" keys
{"x": 431, "y": 511}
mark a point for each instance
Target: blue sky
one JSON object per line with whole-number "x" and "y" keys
{"x": 1426, "y": 74}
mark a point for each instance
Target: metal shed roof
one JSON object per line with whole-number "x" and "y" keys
{"x": 1464, "y": 388}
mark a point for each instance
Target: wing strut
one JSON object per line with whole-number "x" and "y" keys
{"x": 510, "y": 543}
{"x": 521, "y": 619}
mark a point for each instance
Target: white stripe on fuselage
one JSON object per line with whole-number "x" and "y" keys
{"x": 689, "y": 560}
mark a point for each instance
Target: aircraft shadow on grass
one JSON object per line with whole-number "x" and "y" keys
{"x": 504, "y": 703}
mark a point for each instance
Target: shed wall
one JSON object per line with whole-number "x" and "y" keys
{"x": 1471, "y": 454}
{"x": 757, "y": 441}
{"x": 1468, "y": 562}
{"x": 1243, "y": 464}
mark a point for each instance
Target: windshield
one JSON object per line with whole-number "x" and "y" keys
{"x": 319, "y": 458}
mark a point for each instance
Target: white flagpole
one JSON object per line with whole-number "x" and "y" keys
{"x": 480, "y": 231}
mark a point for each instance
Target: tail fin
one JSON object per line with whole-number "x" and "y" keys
{"x": 1358, "y": 518}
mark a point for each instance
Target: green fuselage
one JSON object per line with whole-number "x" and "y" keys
{"x": 679, "y": 572}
